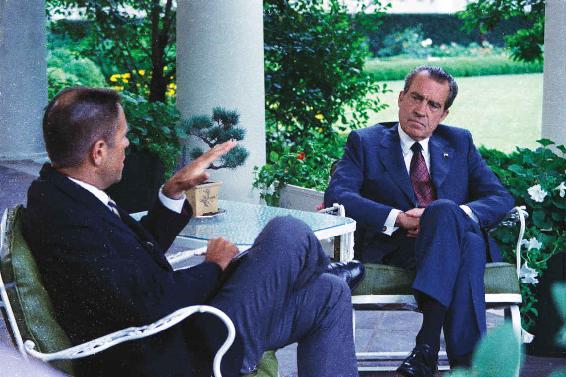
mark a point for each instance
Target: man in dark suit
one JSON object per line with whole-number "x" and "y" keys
{"x": 422, "y": 197}
{"x": 104, "y": 271}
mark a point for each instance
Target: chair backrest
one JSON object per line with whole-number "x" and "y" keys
{"x": 29, "y": 304}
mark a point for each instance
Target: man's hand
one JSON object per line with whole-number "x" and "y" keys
{"x": 220, "y": 251}
{"x": 410, "y": 221}
{"x": 194, "y": 173}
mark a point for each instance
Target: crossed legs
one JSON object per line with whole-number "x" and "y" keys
{"x": 450, "y": 262}
{"x": 279, "y": 295}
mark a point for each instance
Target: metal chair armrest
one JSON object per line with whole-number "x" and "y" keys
{"x": 516, "y": 215}
{"x": 100, "y": 344}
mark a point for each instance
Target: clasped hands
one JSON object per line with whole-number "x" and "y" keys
{"x": 410, "y": 221}
{"x": 218, "y": 250}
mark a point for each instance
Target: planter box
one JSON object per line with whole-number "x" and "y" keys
{"x": 204, "y": 198}
{"x": 304, "y": 199}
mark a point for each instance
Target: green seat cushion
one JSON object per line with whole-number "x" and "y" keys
{"x": 388, "y": 280}
{"x": 267, "y": 367}
{"x": 30, "y": 302}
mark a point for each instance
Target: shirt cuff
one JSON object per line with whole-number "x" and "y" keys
{"x": 389, "y": 225}
{"x": 469, "y": 212}
{"x": 175, "y": 205}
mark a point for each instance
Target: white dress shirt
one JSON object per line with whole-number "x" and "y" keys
{"x": 406, "y": 143}
{"x": 175, "y": 205}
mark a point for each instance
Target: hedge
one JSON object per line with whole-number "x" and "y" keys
{"x": 440, "y": 28}
{"x": 396, "y": 69}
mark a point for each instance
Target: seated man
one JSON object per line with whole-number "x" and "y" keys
{"x": 105, "y": 271}
{"x": 423, "y": 197}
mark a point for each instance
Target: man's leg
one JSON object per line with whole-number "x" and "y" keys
{"x": 277, "y": 295}
{"x": 465, "y": 319}
{"x": 445, "y": 272}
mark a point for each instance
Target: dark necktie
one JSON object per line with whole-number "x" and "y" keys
{"x": 113, "y": 207}
{"x": 420, "y": 178}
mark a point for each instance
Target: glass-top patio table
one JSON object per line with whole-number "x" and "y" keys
{"x": 240, "y": 223}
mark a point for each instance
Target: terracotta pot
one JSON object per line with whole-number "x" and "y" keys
{"x": 204, "y": 198}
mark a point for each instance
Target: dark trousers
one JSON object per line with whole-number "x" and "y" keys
{"x": 278, "y": 295}
{"x": 449, "y": 256}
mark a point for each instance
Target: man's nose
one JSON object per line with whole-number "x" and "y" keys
{"x": 420, "y": 109}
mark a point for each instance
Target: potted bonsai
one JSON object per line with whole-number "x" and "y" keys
{"x": 213, "y": 130}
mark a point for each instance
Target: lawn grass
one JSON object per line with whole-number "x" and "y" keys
{"x": 502, "y": 112}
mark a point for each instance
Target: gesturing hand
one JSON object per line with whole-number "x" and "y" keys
{"x": 220, "y": 251}
{"x": 194, "y": 173}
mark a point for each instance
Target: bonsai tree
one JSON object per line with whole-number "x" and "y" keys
{"x": 221, "y": 127}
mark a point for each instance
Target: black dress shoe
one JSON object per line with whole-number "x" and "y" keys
{"x": 351, "y": 272}
{"x": 422, "y": 362}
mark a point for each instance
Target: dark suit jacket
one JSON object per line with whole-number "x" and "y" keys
{"x": 371, "y": 179}
{"x": 104, "y": 274}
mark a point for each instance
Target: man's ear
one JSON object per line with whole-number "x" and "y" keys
{"x": 400, "y": 98}
{"x": 98, "y": 152}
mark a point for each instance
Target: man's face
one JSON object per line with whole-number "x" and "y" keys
{"x": 421, "y": 107}
{"x": 116, "y": 152}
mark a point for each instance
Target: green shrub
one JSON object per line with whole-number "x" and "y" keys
{"x": 409, "y": 41}
{"x": 314, "y": 59}
{"x": 307, "y": 165}
{"x": 536, "y": 180}
{"x": 396, "y": 69}
{"x": 65, "y": 69}
{"x": 153, "y": 128}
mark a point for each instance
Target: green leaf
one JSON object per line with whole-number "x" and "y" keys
{"x": 273, "y": 156}
{"x": 517, "y": 169}
{"x": 498, "y": 354}
{"x": 539, "y": 218}
{"x": 545, "y": 142}
{"x": 559, "y": 295}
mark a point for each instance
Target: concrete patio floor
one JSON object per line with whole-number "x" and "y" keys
{"x": 375, "y": 331}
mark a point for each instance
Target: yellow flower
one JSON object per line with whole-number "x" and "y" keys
{"x": 319, "y": 117}
{"x": 165, "y": 68}
{"x": 114, "y": 77}
{"x": 126, "y": 75}
{"x": 118, "y": 87}
{"x": 172, "y": 85}
{"x": 141, "y": 72}
{"x": 125, "y": 81}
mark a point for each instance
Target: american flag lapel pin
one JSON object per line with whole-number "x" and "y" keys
{"x": 445, "y": 154}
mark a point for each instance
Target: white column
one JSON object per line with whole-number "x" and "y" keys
{"x": 554, "y": 92}
{"x": 220, "y": 63}
{"x": 23, "y": 78}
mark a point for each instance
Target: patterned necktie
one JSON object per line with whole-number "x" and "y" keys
{"x": 420, "y": 178}
{"x": 113, "y": 207}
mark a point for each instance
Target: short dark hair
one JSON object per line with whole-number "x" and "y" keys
{"x": 75, "y": 119}
{"x": 438, "y": 75}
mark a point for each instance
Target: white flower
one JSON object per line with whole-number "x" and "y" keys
{"x": 427, "y": 42}
{"x": 528, "y": 275}
{"x": 562, "y": 188}
{"x": 537, "y": 193}
{"x": 533, "y": 243}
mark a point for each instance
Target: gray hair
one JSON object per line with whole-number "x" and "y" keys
{"x": 438, "y": 75}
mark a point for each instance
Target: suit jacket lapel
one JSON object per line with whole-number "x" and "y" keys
{"x": 125, "y": 222}
{"x": 392, "y": 157}
{"x": 441, "y": 157}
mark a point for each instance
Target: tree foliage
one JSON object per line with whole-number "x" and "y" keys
{"x": 527, "y": 43}
{"x": 314, "y": 68}
{"x": 132, "y": 36}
